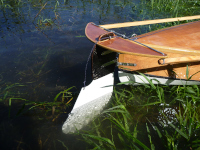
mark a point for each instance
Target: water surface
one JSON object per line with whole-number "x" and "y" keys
{"x": 43, "y": 51}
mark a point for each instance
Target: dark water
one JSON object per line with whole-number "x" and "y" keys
{"x": 43, "y": 51}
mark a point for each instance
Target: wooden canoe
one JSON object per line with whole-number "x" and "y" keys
{"x": 119, "y": 44}
{"x": 179, "y": 44}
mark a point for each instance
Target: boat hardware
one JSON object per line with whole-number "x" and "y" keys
{"x": 125, "y": 37}
{"x": 125, "y": 64}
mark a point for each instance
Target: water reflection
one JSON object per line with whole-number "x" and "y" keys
{"x": 43, "y": 51}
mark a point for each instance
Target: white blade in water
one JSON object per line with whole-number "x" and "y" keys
{"x": 89, "y": 103}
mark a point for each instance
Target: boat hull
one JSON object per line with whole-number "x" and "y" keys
{"x": 91, "y": 101}
{"x": 137, "y": 79}
{"x": 150, "y": 66}
{"x": 118, "y": 44}
{"x": 179, "y": 43}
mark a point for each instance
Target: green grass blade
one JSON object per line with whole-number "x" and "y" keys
{"x": 106, "y": 140}
{"x": 187, "y": 72}
{"x": 179, "y": 131}
{"x": 150, "y": 82}
{"x": 149, "y": 135}
{"x": 63, "y": 144}
{"x": 65, "y": 91}
{"x": 10, "y": 99}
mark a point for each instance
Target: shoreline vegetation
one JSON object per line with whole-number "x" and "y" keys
{"x": 142, "y": 117}
{"x": 150, "y": 116}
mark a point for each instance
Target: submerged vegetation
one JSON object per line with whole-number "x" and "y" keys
{"x": 157, "y": 9}
{"x": 148, "y": 117}
{"x": 41, "y": 41}
{"x": 151, "y": 116}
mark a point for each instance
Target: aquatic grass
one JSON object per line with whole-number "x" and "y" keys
{"x": 187, "y": 73}
{"x": 66, "y": 98}
{"x": 150, "y": 139}
{"x": 10, "y": 103}
{"x": 183, "y": 91}
{"x": 186, "y": 127}
{"x": 180, "y": 131}
{"x": 9, "y": 90}
{"x": 63, "y": 144}
{"x": 38, "y": 65}
{"x": 37, "y": 73}
{"x": 177, "y": 92}
{"x": 188, "y": 96}
{"x": 7, "y": 4}
{"x": 65, "y": 94}
{"x": 42, "y": 22}
{"x": 58, "y": 106}
{"x": 175, "y": 6}
{"x": 157, "y": 9}
{"x": 119, "y": 118}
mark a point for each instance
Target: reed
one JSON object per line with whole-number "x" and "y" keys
{"x": 61, "y": 102}
{"x": 157, "y": 9}
{"x": 169, "y": 115}
{"x": 177, "y": 7}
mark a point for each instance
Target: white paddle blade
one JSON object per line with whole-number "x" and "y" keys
{"x": 89, "y": 103}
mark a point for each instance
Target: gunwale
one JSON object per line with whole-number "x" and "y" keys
{"x": 176, "y": 50}
{"x": 119, "y": 44}
{"x": 166, "y": 44}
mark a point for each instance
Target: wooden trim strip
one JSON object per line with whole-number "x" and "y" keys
{"x": 101, "y": 43}
{"x": 168, "y": 49}
{"x": 179, "y": 60}
{"x": 147, "y": 22}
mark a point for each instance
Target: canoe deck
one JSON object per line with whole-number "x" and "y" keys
{"x": 184, "y": 39}
{"x": 119, "y": 44}
{"x": 176, "y": 42}
{"x": 184, "y": 36}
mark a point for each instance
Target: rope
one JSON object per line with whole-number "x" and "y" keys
{"x": 93, "y": 48}
{"x": 129, "y": 38}
{"x": 88, "y": 62}
{"x": 125, "y": 37}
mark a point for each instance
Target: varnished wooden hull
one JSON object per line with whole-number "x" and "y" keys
{"x": 118, "y": 44}
{"x": 136, "y": 79}
{"x": 173, "y": 74}
{"x": 151, "y": 67}
{"x": 175, "y": 42}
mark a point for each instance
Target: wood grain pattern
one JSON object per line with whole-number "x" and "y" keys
{"x": 179, "y": 60}
{"x": 119, "y": 44}
{"x": 166, "y": 49}
{"x": 150, "y": 66}
{"x": 181, "y": 45}
{"x": 185, "y": 36}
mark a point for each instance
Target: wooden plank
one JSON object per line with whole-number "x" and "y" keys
{"x": 176, "y": 60}
{"x": 184, "y": 38}
{"x": 150, "y": 66}
{"x": 147, "y": 22}
{"x": 166, "y": 49}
